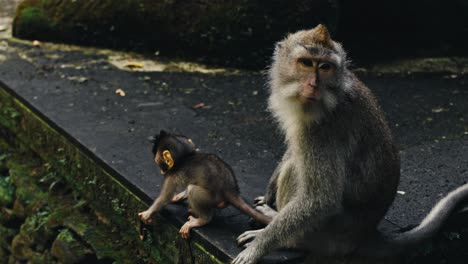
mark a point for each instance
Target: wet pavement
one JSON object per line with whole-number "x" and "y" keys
{"x": 225, "y": 113}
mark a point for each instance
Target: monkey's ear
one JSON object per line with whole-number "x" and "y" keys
{"x": 168, "y": 158}
{"x": 322, "y": 36}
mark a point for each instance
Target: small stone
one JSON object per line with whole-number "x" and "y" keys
{"x": 120, "y": 92}
{"x": 36, "y": 43}
{"x": 21, "y": 247}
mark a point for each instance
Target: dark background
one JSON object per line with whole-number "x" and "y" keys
{"x": 241, "y": 33}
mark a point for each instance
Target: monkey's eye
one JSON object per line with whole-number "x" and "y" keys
{"x": 325, "y": 66}
{"x": 306, "y": 62}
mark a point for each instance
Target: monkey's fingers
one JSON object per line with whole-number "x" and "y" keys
{"x": 139, "y": 224}
{"x": 185, "y": 231}
{"x": 247, "y": 236}
{"x": 245, "y": 257}
{"x": 260, "y": 200}
{"x": 145, "y": 218}
{"x": 266, "y": 210}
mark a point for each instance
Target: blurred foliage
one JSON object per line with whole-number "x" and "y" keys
{"x": 234, "y": 32}
{"x": 242, "y": 32}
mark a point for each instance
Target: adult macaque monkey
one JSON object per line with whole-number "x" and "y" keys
{"x": 208, "y": 181}
{"x": 341, "y": 168}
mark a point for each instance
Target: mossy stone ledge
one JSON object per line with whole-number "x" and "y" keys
{"x": 70, "y": 168}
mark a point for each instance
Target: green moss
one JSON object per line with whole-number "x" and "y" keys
{"x": 32, "y": 22}
{"x": 7, "y": 192}
{"x": 204, "y": 256}
{"x": 27, "y": 190}
{"x": 6, "y": 237}
{"x": 9, "y": 117}
{"x": 69, "y": 249}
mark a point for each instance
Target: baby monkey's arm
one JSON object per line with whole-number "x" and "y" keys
{"x": 163, "y": 199}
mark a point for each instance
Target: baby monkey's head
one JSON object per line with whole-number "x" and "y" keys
{"x": 170, "y": 150}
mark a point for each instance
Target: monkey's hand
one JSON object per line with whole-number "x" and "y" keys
{"x": 146, "y": 217}
{"x": 268, "y": 199}
{"x": 245, "y": 238}
{"x": 259, "y": 200}
{"x": 266, "y": 210}
{"x": 247, "y": 256}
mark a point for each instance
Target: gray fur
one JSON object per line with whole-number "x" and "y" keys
{"x": 341, "y": 168}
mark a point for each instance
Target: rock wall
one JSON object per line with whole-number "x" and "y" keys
{"x": 43, "y": 221}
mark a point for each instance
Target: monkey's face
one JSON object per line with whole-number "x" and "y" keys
{"x": 316, "y": 78}
{"x": 307, "y": 70}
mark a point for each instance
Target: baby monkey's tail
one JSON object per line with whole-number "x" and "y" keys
{"x": 237, "y": 201}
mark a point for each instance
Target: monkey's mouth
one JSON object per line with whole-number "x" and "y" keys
{"x": 308, "y": 99}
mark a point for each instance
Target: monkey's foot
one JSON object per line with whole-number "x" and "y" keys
{"x": 179, "y": 197}
{"x": 191, "y": 223}
{"x": 247, "y": 236}
{"x": 248, "y": 256}
{"x": 266, "y": 210}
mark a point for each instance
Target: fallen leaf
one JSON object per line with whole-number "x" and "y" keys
{"x": 201, "y": 105}
{"x": 134, "y": 65}
{"x": 79, "y": 79}
{"x": 120, "y": 92}
{"x": 439, "y": 110}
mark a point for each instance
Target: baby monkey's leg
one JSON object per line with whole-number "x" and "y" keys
{"x": 202, "y": 203}
{"x": 180, "y": 196}
{"x": 191, "y": 223}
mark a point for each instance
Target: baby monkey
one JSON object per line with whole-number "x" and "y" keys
{"x": 209, "y": 182}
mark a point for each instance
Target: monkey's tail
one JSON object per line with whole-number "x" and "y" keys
{"x": 393, "y": 245}
{"x": 237, "y": 201}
